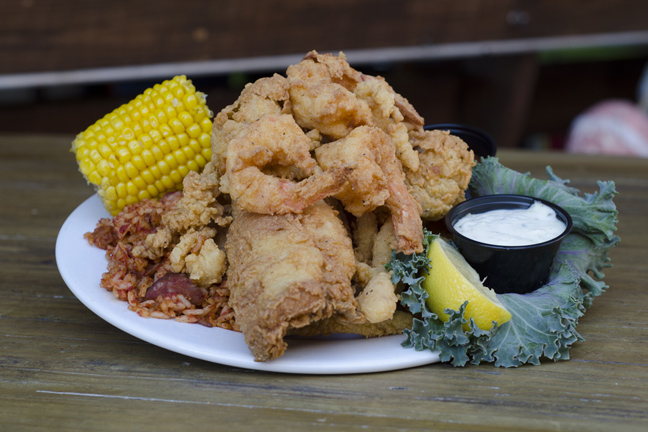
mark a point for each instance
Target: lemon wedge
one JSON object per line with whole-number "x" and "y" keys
{"x": 452, "y": 281}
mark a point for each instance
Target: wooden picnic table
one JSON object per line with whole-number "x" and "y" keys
{"x": 63, "y": 368}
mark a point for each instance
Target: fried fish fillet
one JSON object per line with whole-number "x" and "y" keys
{"x": 286, "y": 272}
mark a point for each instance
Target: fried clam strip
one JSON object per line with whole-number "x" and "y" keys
{"x": 286, "y": 272}
{"x": 444, "y": 173}
{"x": 376, "y": 179}
{"x": 377, "y": 299}
{"x": 272, "y": 145}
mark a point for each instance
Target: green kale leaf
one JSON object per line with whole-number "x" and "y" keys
{"x": 543, "y": 323}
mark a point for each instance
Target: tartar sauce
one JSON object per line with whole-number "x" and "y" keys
{"x": 512, "y": 227}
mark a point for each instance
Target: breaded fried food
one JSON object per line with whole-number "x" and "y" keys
{"x": 378, "y": 298}
{"x": 376, "y": 179}
{"x": 444, "y": 173}
{"x": 187, "y": 230}
{"x": 286, "y": 272}
{"x": 264, "y": 96}
{"x": 322, "y": 98}
{"x": 261, "y": 153}
{"x": 393, "y": 114}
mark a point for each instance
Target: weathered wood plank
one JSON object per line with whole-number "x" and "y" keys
{"x": 53, "y": 36}
{"x": 63, "y": 368}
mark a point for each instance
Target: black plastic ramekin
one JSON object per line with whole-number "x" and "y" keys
{"x": 507, "y": 269}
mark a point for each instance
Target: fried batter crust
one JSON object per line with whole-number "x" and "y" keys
{"x": 444, "y": 172}
{"x": 287, "y": 271}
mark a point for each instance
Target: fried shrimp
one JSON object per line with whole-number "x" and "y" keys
{"x": 376, "y": 180}
{"x": 264, "y": 148}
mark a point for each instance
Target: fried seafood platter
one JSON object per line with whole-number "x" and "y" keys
{"x": 315, "y": 178}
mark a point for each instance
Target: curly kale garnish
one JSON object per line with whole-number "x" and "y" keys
{"x": 543, "y": 323}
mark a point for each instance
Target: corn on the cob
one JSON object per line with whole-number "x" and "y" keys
{"x": 146, "y": 147}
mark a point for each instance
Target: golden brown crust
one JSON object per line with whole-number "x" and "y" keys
{"x": 287, "y": 271}
{"x": 444, "y": 174}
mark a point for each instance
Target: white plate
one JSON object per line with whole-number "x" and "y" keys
{"x": 81, "y": 266}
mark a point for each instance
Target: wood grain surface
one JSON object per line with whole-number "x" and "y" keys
{"x": 49, "y": 35}
{"x": 64, "y": 369}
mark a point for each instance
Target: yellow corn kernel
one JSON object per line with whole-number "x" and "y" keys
{"x": 146, "y": 147}
{"x": 189, "y": 153}
{"x": 139, "y": 183}
{"x": 207, "y": 153}
{"x": 156, "y": 135}
{"x": 103, "y": 167}
{"x": 184, "y": 139}
{"x": 146, "y": 141}
{"x": 143, "y": 194}
{"x": 123, "y": 155}
{"x": 149, "y": 159}
{"x": 134, "y": 147}
{"x": 195, "y": 145}
{"x": 180, "y": 156}
{"x": 121, "y": 190}
{"x": 186, "y": 118}
{"x": 95, "y": 178}
{"x": 152, "y": 190}
{"x": 194, "y": 130}
{"x": 164, "y": 146}
{"x": 121, "y": 203}
{"x": 177, "y": 126}
{"x": 111, "y": 193}
{"x": 200, "y": 160}
{"x": 161, "y": 117}
{"x": 167, "y": 182}
{"x": 205, "y": 140}
{"x": 164, "y": 167}
{"x": 190, "y": 101}
{"x": 131, "y": 171}
{"x": 193, "y": 165}
{"x": 206, "y": 125}
{"x": 166, "y": 131}
{"x": 174, "y": 142}
{"x": 82, "y": 153}
{"x": 94, "y": 156}
{"x": 121, "y": 174}
{"x": 157, "y": 153}
{"x": 160, "y": 186}
{"x": 148, "y": 177}
{"x": 176, "y": 176}
{"x": 139, "y": 163}
{"x": 155, "y": 170}
{"x": 131, "y": 189}
{"x": 171, "y": 161}
{"x": 137, "y": 130}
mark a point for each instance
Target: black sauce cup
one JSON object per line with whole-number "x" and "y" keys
{"x": 507, "y": 269}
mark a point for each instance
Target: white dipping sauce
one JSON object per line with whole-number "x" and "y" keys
{"x": 512, "y": 227}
